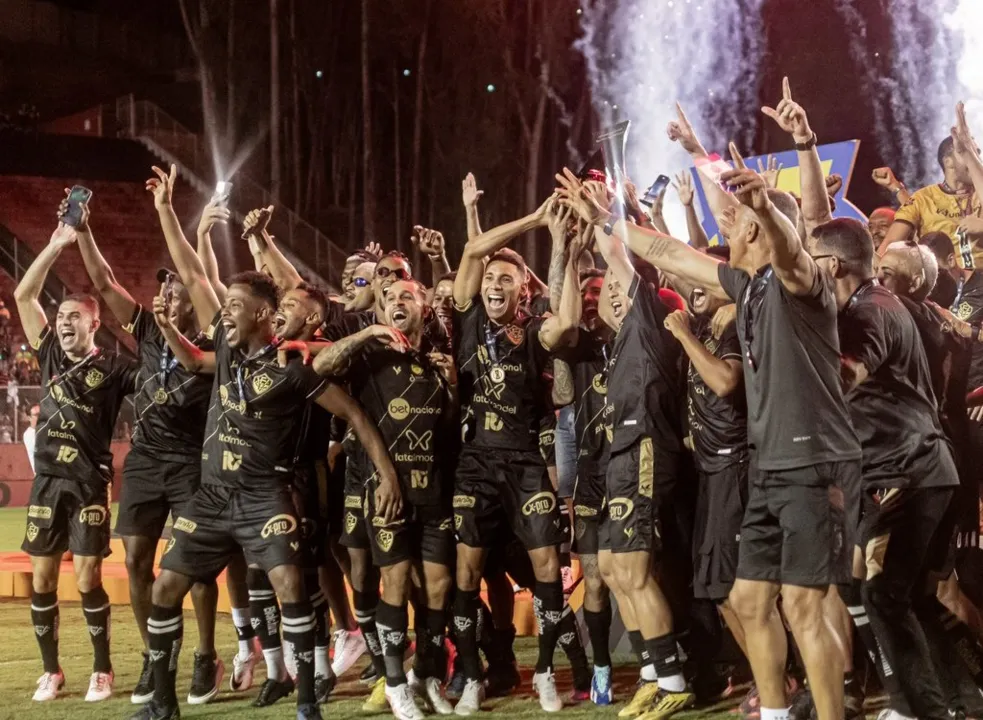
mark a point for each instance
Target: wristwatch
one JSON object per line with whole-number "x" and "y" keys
{"x": 808, "y": 144}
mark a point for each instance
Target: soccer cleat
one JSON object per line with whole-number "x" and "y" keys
{"x": 642, "y": 702}
{"x": 666, "y": 704}
{"x": 151, "y": 711}
{"x": 349, "y": 646}
{"x": 429, "y": 691}
{"x": 242, "y": 672}
{"x": 545, "y": 686}
{"x": 403, "y": 702}
{"x": 501, "y": 680}
{"x": 309, "y": 711}
{"x": 601, "y": 690}
{"x": 323, "y": 687}
{"x": 376, "y": 701}
{"x": 49, "y": 685}
{"x": 455, "y": 688}
{"x": 273, "y": 690}
{"x": 100, "y": 687}
{"x": 144, "y": 690}
{"x": 578, "y": 696}
{"x": 206, "y": 679}
{"x": 471, "y": 698}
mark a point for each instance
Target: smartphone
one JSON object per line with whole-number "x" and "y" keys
{"x": 222, "y": 192}
{"x": 76, "y": 197}
{"x": 653, "y": 193}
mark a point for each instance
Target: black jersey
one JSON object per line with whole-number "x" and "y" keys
{"x": 588, "y": 364}
{"x": 257, "y": 417}
{"x": 409, "y": 402}
{"x": 171, "y": 402}
{"x": 78, "y": 410}
{"x": 501, "y": 379}
{"x": 718, "y": 425}
{"x": 341, "y": 325}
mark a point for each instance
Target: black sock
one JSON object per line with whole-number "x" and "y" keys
{"x": 298, "y": 630}
{"x": 599, "y": 632}
{"x": 320, "y": 606}
{"x": 44, "y": 617}
{"x": 638, "y": 647}
{"x": 392, "y": 622}
{"x": 264, "y": 609}
{"x": 853, "y": 599}
{"x": 95, "y": 607}
{"x": 466, "y": 611}
{"x": 166, "y": 629}
{"x": 365, "y": 604}
{"x": 665, "y": 656}
{"x": 573, "y": 646}
{"x": 548, "y": 606}
{"x": 431, "y": 661}
{"x": 486, "y": 629}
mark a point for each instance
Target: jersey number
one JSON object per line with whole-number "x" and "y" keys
{"x": 231, "y": 461}
{"x": 493, "y": 422}
{"x": 67, "y": 454}
{"x": 419, "y": 479}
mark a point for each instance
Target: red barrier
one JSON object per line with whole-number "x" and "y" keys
{"x": 16, "y": 475}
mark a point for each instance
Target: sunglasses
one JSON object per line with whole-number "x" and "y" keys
{"x": 386, "y": 272}
{"x": 360, "y": 282}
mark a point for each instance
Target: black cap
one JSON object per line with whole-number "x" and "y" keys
{"x": 164, "y": 275}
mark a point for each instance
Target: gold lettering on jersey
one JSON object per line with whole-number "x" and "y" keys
{"x": 620, "y": 509}
{"x": 416, "y": 369}
{"x": 93, "y": 515}
{"x": 231, "y": 461}
{"x": 542, "y": 503}
{"x": 67, "y": 454}
{"x": 399, "y": 408}
{"x": 94, "y": 378}
{"x": 262, "y": 383}
{"x": 421, "y": 441}
{"x": 233, "y": 440}
{"x": 32, "y": 532}
{"x": 412, "y": 458}
{"x": 160, "y": 396}
{"x": 445, "y": 525}
{"x": 185, "y": 525}
{"x": 353, "y": 501}
{"x": 419, "y": 479}
{"x": 600, "y": 384}
{"x": 385, "y": 540}
{"x": 282, "y": 524}
{"x": 223, "y": 395}
{"x": 41, "y": 512}
{"x": 62, "y": 399}
{"x": 497, "y": 374}
{"x": 493, "y": 422}
{"x": 584, "y": 511}
{"x": 463, "y": 501}
{"x": 61, "y": 435}
{"x": 350, "y": 522}
{"x": 515, "y": 334}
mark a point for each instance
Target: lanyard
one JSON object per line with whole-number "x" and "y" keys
{"x": 491, "y": 342}
{"x": 76, "y": 368}
{"x": 240, "y": 377}
{"x": 960, "y": 286}
{"x": 168, "y": 363}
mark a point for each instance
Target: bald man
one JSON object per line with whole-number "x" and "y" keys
{"x": 879, "y": 223}
{"x": 908, "y": 270}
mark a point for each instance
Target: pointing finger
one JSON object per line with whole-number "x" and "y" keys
{"x": 786, "y": 89}
{"x": 736, "y": 157}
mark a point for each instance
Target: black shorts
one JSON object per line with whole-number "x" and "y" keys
{"x": 721, "y": 501}
{"x": 800, "y": 525}
{"x": 219, "y": 521}
{"x": 497, "y": 489}
{"x": 152, "y": 489}
{"x": 67, "y": 515}
{"x": 636, "y": 480}
{"x": 335, "y": 514}
{"x": 311, "y": 501}
{"x": 588, "y": 506}
{"x": 354, "y": 532}
{"x": 422, "y": 533}
{"x": 547, "y": 441}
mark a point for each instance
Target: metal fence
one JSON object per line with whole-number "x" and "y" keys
{"x": 15, "y": 407}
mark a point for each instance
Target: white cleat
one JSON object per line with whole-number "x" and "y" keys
{"x": 49, "y": 685}
{"x": 100, "y": 687}
{"x": 471, "y": 698}
{"x": 402, "y": 700}
{"x": 545, "y": 686}
{"x": 349, "y": 646}
{"x": 432, "y": 695}
{"x": 241, "y": 678}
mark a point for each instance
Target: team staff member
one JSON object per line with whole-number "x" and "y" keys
{"x": 501, "y": 476}
{"x": 251, "y": 439}
{"x": 162, "y": 469}
{"x": 410, "y": 391}
{"x": 69, "y": 507}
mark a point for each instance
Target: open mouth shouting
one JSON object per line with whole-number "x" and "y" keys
{"x": 231, "y": 331}
{"x": 279, "y": 322}
{"x": 495, "y": 301}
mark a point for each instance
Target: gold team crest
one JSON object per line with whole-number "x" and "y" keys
{"x": 32, "y": 532}
{"x": 350, "y": 522}
{"x": 160, "y": 397}
{"x": 385, "y": 540}
{"x": 262, "y": 383}
{"x": 964, "y": 311}
{"x": 94, "y": 378}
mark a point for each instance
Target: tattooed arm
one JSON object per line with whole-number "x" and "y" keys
{"x": 562, "y": 383}
{"x": 336, "y": 360}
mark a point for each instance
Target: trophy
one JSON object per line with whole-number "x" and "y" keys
{"x": 612, "y": 141}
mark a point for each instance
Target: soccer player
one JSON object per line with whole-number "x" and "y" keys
{"x": 501, "y": 476}
{"x": 255, "y": 422}
{"x": 84, "y": 386}
{"x": 162, "y": 470}
{"x": 409, "y": 389}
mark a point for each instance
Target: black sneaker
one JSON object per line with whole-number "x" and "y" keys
{"x": 308, "y": 712}
{"x": 206, "y": 679}
{"x": 500, "y": 681}
{"x": 272, "y": 691}
{"x": 151, "y": 711}
{"x": 323, "y": 686}
{"x": 144, "y": 690}
{"x": 369, "y": 675}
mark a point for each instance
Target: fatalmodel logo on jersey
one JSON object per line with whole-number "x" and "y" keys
{"x": 541, "y": 503}
{"x": 93, "y": 515}
{"x": 279, "y": 525}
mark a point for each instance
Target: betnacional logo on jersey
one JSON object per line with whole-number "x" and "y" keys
{"x": 185, "y": 525}
{"x": 93, "y": 515}
{"x": 223, "y": 394}
{"x": 160, "y": 396}
{"x": 32, "y": 532}
{"x": 58, "y": 393}
{"x": 541, "y": 503}
{"x": 283, "y": 524}
{"x": 262, "y": 383}
{"x": 416, "y": 369}
{"x": 620, "y": 509}
{"x": 600, "y": 384}
{"x": 399, "y": 408}
{"x": 385, "y": 539}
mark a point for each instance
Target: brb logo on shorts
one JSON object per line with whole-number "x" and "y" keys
{"x": 399, "y": 408}
{"x": 541, "y": 503}
{"x": 93, "y": 515}
{"x": 279, "y": 525}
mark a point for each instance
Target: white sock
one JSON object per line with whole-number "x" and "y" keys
{"x": 275, "y": 669}
{"x": 241, "y": 619}
{"x": 674, "y": 683}
{"x": 774, "y": 713}
{"x": 648, "y": 673}
{"x": 322, "y": 664}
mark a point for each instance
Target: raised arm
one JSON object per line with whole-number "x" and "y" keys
{"x": 723, "y": 377}
{"x": 192, "y": 357}
{"x": 186, "y": 260}
{"x": 336, "y": 360}
{"x": 557, "y": 218}
{"x": 468, "y": 280}
{"x": 267, "y": 255}
{"x": 792, "y": 118}
{"x": 681, "y": 131}
{"x": 470, "y": 194}
{"x": 117, "y": 299}
{"x": 694, "y": 228}
{"x": 561, "y": 330}
{"x": 28, "y": 290}
{"x": 212, "y": 214}
{"x": 885, "y": 177}
{"x": 431, "y": 244}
